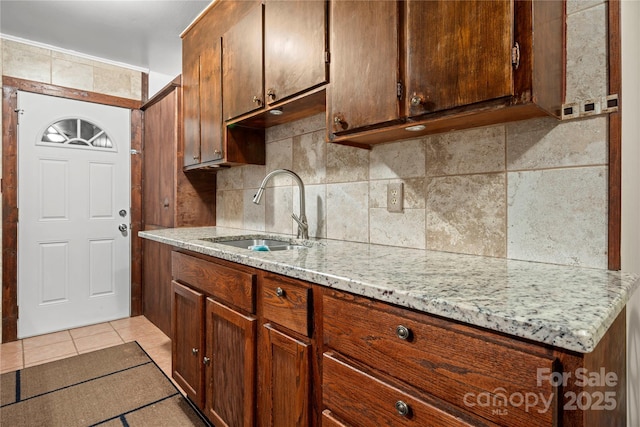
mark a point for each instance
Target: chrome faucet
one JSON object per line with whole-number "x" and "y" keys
{"x": 303, "y": 226}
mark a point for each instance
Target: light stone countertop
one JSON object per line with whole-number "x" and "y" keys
{"x": 567, "y": 307}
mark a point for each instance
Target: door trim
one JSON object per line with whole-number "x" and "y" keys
{"x": 10, "y": 191}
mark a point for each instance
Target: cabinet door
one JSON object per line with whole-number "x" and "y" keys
{"x": 187, "y": 309}
{"x": 211, "y": 137}
{"x": 286, "y": 381}
{"x": 230, "y": 374}
{"x": 364, "y": 65}
{"x": 242, "y": 66}
{"x": 294, "y": 47}
{"x": 156, "y": 287}
{"x": 458, "y": 53}
{"x": 160, "y": 147}
{"x": 191, "y": 104}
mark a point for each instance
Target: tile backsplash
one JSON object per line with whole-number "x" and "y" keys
{"x": 533, "y": 190}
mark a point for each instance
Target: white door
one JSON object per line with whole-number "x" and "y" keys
{"x": 73, "y": 201}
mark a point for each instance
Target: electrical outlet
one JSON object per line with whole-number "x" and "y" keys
{"x": 395, "y": 196}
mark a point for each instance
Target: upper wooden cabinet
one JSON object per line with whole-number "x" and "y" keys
{"x": 443, "y": 65}
{"x": 208, "y": 143}
{"x": 278, "y": 50}
{"x": 463, "y": 58}
{"x": 202, "y": 91}
{"x": 295, "y": 47}
{"x": 242, "y": 75}
{"x": 364, "y": 65}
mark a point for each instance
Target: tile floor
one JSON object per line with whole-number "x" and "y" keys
{"x": 59, "y": 345}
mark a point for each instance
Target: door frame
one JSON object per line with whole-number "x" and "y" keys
{"x": 10, "y": 191}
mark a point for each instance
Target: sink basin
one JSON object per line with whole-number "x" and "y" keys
{"x": 258, "y": 244}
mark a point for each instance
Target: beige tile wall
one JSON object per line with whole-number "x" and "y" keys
{"x": 49, "y": 66}
{"x": 533, "y": 190}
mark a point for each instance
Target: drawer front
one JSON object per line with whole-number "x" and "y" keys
{"x": 229, "y": 285}
{"x": 287, "y": 303}
{"x": 328, "y": 420}
{"x": 365, "y": 401}
{"x": 454, "y": 364}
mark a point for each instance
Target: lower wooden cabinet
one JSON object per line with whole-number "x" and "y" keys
{"x": 252, "y": 348}
{"x": 364, "y": 400}
{"x": 286, "y": 373}
{"x": 187, "y": 345}
{"x": 214, "y": 345}
{"x": 230, "y": 366}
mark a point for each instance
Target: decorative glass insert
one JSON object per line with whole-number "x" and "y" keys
{"x": 76, "y": 132}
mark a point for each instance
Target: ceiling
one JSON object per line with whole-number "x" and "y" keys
{"x": 141, "y": 33}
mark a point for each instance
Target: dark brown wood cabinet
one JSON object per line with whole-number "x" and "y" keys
{"x": 435, "y": 66}
{"x": 208, "y": 142}
{"x": 214, "y": 346}
{"x": 286, "y": 348}
{"x": 283, "y": 352}
{"x": 230, "y": 366}
{"x": 365, "y": 60}
{"x": 286, "y": 390}
{"x": 187, "y": 344}
{"x": 202, "y": 89}
{"x": 242, "y": 75}
{"x": 400, "y": 368}
{"x": 169, "y": 198}
{"x": 295, "y": 47}
{"x": 457, "y": 53}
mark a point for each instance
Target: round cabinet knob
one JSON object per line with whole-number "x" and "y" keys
{"x": 280, "y": 292}
{"x": 196, "y": 157}
{"x": 206, "y": 361}
{"x": 403, "y": 332}
{"x": 194, "y": 351}
{"x": 271, "y": 93}
{"x": 217, "y": 152}
{"x": 402, "y": 408}
{"x": 257, "y": 100}
{"x": 339, "y": 122}
{"x": 416, "y": 100}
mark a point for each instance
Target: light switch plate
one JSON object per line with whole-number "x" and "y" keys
{"x": 395, "y": 196}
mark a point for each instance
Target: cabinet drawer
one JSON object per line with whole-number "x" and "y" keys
{"x": 328, "y": 420}
{"x": 365, "y": 401}
{"x": 234, "y": 287}
{"x": 462, "y": 365}
{"x": 287, "y": 303}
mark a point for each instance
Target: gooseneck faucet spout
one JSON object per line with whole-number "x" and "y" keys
{"x": 303, "y": 226}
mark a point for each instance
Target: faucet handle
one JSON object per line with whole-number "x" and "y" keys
{"x": 302, "y": 226}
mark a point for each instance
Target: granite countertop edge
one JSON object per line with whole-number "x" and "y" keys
{"x": 572, "y": 331}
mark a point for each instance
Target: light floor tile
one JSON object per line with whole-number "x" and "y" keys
{"x": 47, "y": 348}
{"x": 11, "y": 361}
{"x": 87, "y": 331}
{"x": 96, "y": 342}
{"x": 46, "y": 340}
{"x": 41, "y": 354}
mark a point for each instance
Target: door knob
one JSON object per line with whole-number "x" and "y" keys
{"x": 122, "y": 213}
{"x": 122, "y": 227}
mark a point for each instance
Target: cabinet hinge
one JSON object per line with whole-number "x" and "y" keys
{"x": 515, "y": 55}
{"x": 399, "y": 90}
{"x": 327, "y": 57}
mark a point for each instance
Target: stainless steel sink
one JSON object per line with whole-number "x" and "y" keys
{"x": 258, "y": 244}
